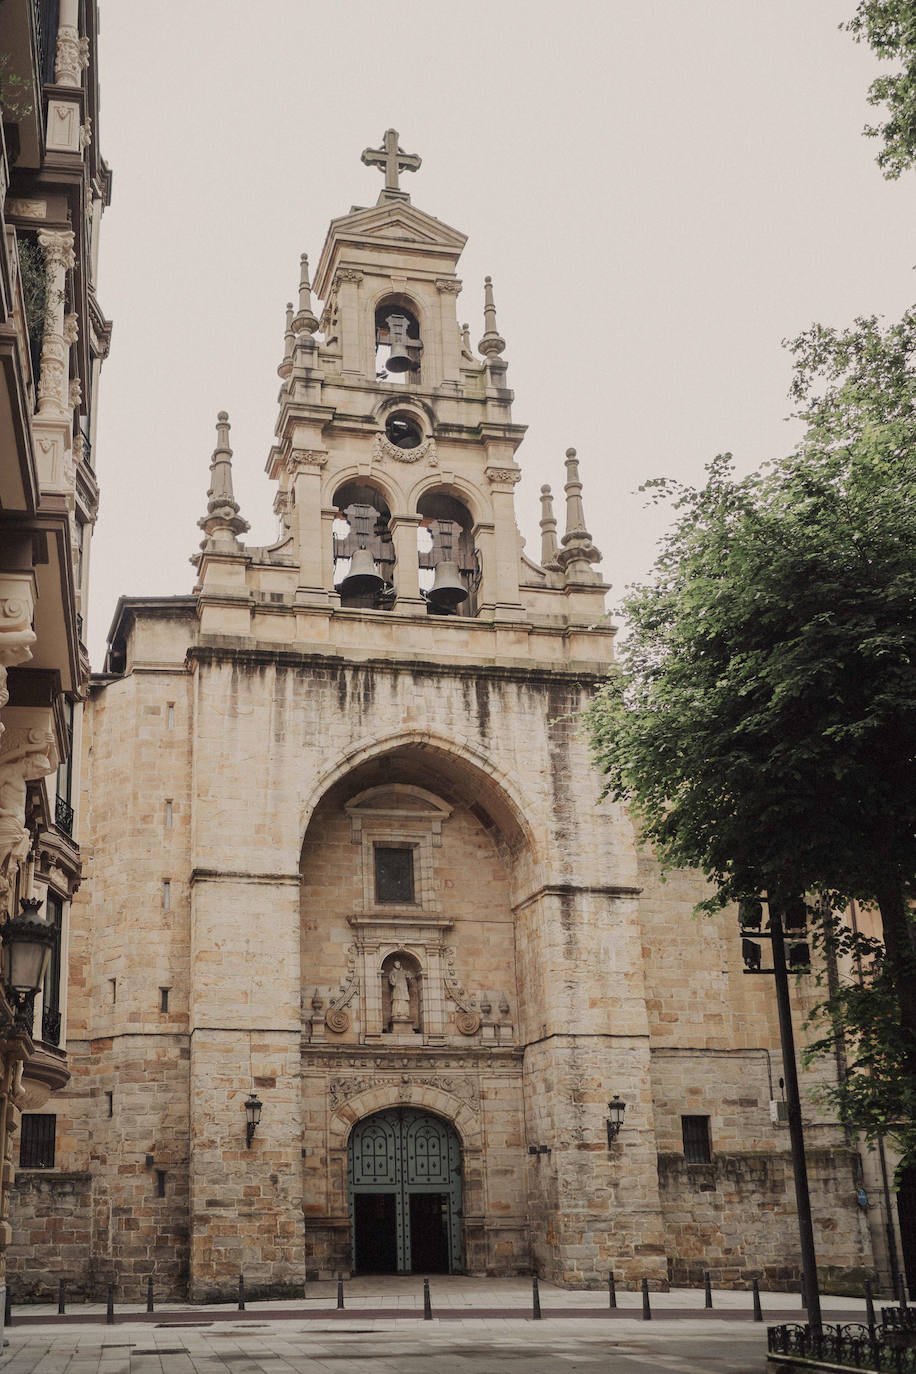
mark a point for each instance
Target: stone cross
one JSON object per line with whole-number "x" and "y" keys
{"x": 391, "y": 159}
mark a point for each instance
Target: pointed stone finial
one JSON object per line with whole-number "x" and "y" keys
{"x": 306, "y": 322}
{"x": 222, "y": 523}
{"x": 491, "y": 345}
{"x": 548, "y": 530}
{"x": 289, "y": 343}
{"x": 578, "y": 551}
{"x": 391, "y": 159}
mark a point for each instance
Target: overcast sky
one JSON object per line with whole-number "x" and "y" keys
{"x": 662, "y": 191}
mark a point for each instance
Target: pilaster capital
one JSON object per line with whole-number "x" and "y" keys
{"x": 449, "y": 286}
{"x": 352, "y": 274}
{"x": 500, "y": 477}
{"x": 308, "y": 460}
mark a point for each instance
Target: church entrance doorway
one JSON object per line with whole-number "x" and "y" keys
{"x": 404, "y": 1177}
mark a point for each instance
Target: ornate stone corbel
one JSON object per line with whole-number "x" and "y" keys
{"x": 25, "y": 753}
{"x": 449, "y": 286}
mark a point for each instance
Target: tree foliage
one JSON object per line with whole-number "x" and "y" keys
{"x": 889, "y": 27}
{"x": 763, "y": 724}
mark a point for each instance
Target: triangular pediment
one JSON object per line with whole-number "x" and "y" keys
{"x": 393, "y": 223}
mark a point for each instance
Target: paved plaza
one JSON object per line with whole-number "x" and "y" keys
{"x": 477, "y": 1327}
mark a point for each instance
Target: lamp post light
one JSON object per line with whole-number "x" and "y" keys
{"x": 616, "y": 1109}
{"x": 253, "y": 1107}
{"x": 750, "y": 913}
{"x": 27, "y": 946}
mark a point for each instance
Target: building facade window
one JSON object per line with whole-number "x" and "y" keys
{"x": 695, "y": 1133}
{"x": 36, "y": 1142}
{"x": 51, "y": 1011}
{"x": 394, "y": 880}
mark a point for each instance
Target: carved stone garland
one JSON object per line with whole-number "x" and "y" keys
{"x": 337, "y": 1018}
{"x": 467, "y": 1017}
{"x": 384, "y": 448}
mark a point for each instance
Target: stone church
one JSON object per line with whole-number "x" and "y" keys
{"x": 362, "y": 976}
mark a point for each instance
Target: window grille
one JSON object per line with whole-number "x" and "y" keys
{"x": 36, "y": 1145}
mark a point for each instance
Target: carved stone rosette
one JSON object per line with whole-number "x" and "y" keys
{"x": 383, "y": 448}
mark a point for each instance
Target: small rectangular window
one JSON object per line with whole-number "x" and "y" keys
{"x": 170, "y": 715}
{"x": 695, "y": 1131}
{"x": 394, "y": 875}
{"x": 113, "y": 989}
{"x": 109, "y": 1097}
{"x": 166, "y": 895}
{"x": 160, "y": 1183}
{"x": 168, "y": 814}
{"x": 164, "y": 999}
{"x": 36, "y": 1144}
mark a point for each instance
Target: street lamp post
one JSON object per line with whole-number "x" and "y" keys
{"x": 810, "y": 1293}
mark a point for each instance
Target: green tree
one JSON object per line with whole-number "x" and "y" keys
{"x": 762, "y": 726}
{"x": 889, "y": 27}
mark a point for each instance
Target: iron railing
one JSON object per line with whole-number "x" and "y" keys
{"x": 63, "y": 816}
{"x": 851, "y": 1344}
{"x": 50, "y": 1026}
{"x": 47, "y": 21}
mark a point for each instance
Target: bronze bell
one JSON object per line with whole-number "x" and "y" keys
{"x": 363, "y": 578}
{"x": 448, "y": 590}
{"x": 399, "y": 359}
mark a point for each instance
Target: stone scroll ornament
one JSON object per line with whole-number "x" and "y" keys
{"x": 337, "y": 1017}
{"x": 467, "y": 1017}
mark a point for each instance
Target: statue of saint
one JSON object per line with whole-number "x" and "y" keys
{"x": 400, "y": 992}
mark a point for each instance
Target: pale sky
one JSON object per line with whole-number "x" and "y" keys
{"x": 662, "y": 190}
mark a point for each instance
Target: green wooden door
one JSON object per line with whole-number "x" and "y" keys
{"x": 404, "y": 1177}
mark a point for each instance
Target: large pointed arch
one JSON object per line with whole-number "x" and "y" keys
{"x": 474, "y": 775}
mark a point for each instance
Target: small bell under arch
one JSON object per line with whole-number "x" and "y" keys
{"x": 448, "y": 590}
{"x": 363, "y": 579}
{"x": 399, "y": 360}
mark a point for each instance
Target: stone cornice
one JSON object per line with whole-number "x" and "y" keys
{"x": 210, "y": 652}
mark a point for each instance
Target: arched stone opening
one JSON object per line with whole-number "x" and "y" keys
{"x": 363, "y": 547}
{"x": 404, "y": 1192}
{"x": 448, "y": 559}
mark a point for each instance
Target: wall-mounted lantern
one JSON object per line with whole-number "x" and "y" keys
{"x": 26, "y": 953}
{"x": 616, "y": 1108}
{"x": 252, "y": 1117}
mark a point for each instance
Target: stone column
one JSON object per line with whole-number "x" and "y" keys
{"x": 54, "y": 382}
{"x": 304, "y": 467}
{"x": 449, "y": 289}
{"x": 349, "y": 320}
{"x": 407, "y": 568}
{"x": 71, "y": 57}
{"x": 507, "y": 598}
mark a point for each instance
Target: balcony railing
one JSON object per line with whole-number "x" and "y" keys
{"x": 47, "y": 21}
{"x": 50, "y": 1026}
{"x": 63, "y": 816}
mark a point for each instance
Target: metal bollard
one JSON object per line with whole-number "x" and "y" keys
{"x": 340, "y": 1301}
{"x": 758, "y": 1310}
{"x": 427, "y": 1304}
{"x": 646, "y": 1308}
{"x": 109, "y": 1314}
{"x": 708, "y": 1285}
{"x": 535, "y": 1299}
{"x": 611, "y": 1290}
{"x": 869, "y": 1304}
{"x": 241, "y": 1293}
{"x": 61, "y": 1298}
{"x": 149, "y": 1294}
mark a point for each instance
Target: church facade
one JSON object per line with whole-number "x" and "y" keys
{"x": 360, "y": 968}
